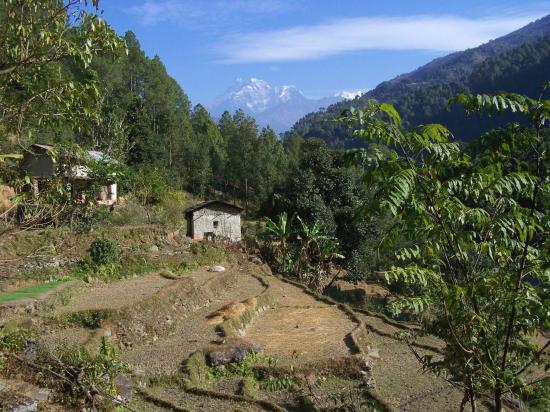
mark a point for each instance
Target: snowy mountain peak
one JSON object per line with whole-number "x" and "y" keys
{"x": 286, "y": 93}
{"x": 256, "y": 95}
{"x": 277, "y": 106}
{"x": 349, "y": 94}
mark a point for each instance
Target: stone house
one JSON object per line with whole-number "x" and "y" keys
{"x": 214, "y": 220}
{"x": 39, "y": 164}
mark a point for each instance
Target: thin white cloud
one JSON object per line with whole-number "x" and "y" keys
{"x": 425, "y": 32}
{"x": 200, "y": 13}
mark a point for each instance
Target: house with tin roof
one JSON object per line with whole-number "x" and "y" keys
{"x": 40, "y": 164}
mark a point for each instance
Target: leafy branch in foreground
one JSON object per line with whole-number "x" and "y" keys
{"x": 40, "y": 38}
{"x": 478, "y": 218}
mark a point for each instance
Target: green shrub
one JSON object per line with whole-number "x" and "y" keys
{"x": 250, "y": 387}
{"x": 103, "y": 251}
{"x": 150, "y": 185}
{"x": 196, "y": 368}
{"x": 89, "y": 319}
{"x": 274, "y": 384}
{"x": 206, "y": 254}
{"x": 130, "y": 213}
{"x": 91, "y": 371}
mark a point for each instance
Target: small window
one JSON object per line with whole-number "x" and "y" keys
{"x": 216, "y": 224}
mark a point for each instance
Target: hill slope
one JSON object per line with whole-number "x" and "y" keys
{"x": 517, "y": 62}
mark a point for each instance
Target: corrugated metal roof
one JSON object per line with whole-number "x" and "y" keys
{"x": 94, "y": 154}
{"x": 101, "y": 157}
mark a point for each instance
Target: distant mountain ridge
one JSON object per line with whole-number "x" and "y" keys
{"x": 433, "y": 83}
{"x": 277, "y": 106}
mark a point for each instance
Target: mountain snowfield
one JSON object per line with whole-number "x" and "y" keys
{"x": 276, "y": 106}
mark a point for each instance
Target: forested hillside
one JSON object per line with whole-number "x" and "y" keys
{"x": 147, "y": 121}
{"x": 516, "y": 63}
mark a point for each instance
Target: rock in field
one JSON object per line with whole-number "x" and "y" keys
{"x": 233, "y": 350}
{"x": 124, "y": 387}
{"x": 217, "y": 269}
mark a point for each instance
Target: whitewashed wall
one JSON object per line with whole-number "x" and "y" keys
{"x": 229, "y": 222}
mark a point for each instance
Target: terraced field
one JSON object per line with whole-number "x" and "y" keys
{"x": 159, "y": 323}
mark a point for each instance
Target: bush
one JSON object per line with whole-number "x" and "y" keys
{"x": 250, "y": 387}
{"x": 150, "y": 185}
{"x": 97, "y": 216}
{"x": 103, "y": 251}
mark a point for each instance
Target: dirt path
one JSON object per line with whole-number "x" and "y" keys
{"x": 300, "y": 328}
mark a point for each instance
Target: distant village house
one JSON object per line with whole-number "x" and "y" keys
{"x": 39, "y": 164}
{"x": 214, "y": 220}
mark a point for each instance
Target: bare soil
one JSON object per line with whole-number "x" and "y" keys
{"x": 299, "y": 328}
{"x": 192, "y": 331}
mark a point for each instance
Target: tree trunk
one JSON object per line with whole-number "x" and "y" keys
{"x": 498, "y": 399}
{"x": 246, "y": 196}
{"x": 464, "y": 401}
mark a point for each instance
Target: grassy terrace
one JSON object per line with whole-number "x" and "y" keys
{"x": 32, "y": 291}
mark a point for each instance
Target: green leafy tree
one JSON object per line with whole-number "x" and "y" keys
{"x": 40, "y": 38}
{"x": 302, "y": 251}
{"x": 478, "y": 217}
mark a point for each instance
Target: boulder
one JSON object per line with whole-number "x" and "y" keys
{"x": 233, "y": 350}
{"x": 124, "y": 387}
{"x": 217, "y": 268}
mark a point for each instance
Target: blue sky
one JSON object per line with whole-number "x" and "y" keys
{"x": 320, "y": 46}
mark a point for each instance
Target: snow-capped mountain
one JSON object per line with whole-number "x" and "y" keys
{"x": 277, "y": 106}
{"x": 350, "y": 94}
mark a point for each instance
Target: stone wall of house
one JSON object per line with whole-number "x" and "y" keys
{"x": 228, "y": 222}
{"x": 39, "y": 166}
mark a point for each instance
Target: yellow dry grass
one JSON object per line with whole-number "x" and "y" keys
{"x": 6, "y": 198}
{"x": 231, "y": 311}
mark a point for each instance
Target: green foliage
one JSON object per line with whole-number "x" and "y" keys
{"x": 274, "y": 384}
{"x": 250, "y": 387}
{"x": 324, "y": 187}
{"x": 301, "y": 250}
{"x": 13, "y": 341}
{"x": 84, "y": 371}
{"x": 149, "y": 185}
{"x": 206, "y": 254}
{"x": 196, "y": 368}
{"x": 90, "y": 319}
{"x": 477, "y": 219}
{"x": 36, "y": 37}
{"x": 74, "y": 376}
{"x": 103, "y": 251}
{"x": 32, "y": 291}
{"x": 421, "y": 96}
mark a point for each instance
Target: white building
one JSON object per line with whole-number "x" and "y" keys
{"x": 40, "y": 165}
{"x": 214, "y": 220}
